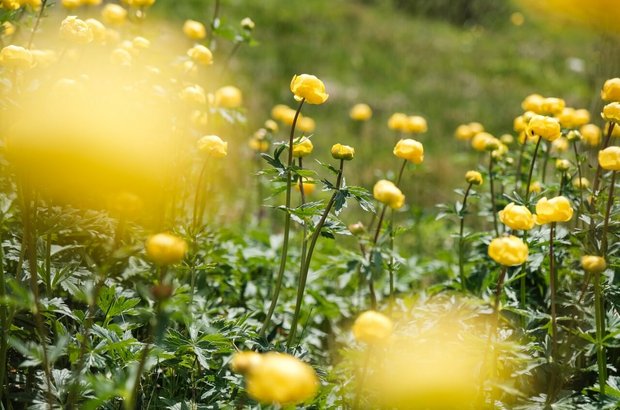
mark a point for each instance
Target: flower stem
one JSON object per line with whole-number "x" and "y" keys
{"x": 308, "y": 258}
{"x": 553, "y": 291}
{"x": 523, "y": 285}
{"x": 287, "y": 226}
{"x": 529, "y": 176}
{"x": 462, "y": 241}
{"x": 4, "y": 323}
{"x": 600, "y": 332}
{"x": 519, "y": 163}
{"x": 198, "y": 198}
{"x": 36, "y": 24}
{"x": 493, "y": 211}
{"x": 610, "y": 203}
{"x": 545, "y": 162}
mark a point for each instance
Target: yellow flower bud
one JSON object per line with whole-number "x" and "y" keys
{"x": 481, "y": 141}
{"x": 258, "y": 145}
{"x": 194, "y": 30}
{"x": 279, "y": 112}
{"x": 507, "y": 139}
{"x": 552, "y": 105}
{"x": 533, "y": 102}
{"x": 305, "y": 124}
{"x": 397, "y": 121}
{"x": 476, "y": 127}
{"x": 302, "y": 148}
{"x": 519, "y": 124}
{"x": 559, "y": 145}
{"x": 247, "y": 24}
{"x": 271, "y": 126}
{"x": 11, "y": 4}
{"x": 213, "y": 146}
{"x": 581, "y": 183}
{"x": 593, "y": 264}
{"x": 463, "y": 132}
{"x": 611, "y": 90}
{"x": 141, "y": 43}
{"x": 193, "y": 94}
{"x": 16, "y": 57}
{"x": 309, "y": 186}
{"x": 562, "y": 165}
{"x": 360, "y": 112}
{"x": 165, "y": 249}
{"x": 344, "y": 152}
{"x": 535, "y": 187}
{"x": 113, "y": 14}
{"x": 281, "y": 379}
{"x": 8, "y": 28}
{"x": 500, "y": 150}
{"x": 590, "y": 135}
{"x": 581, "y": 117}
{"x": 416, "y": 124}
{"x": 473, "y": 177}
{"x": 308, "y": 87}
{"x": 244, "y": 362}
{"x": 98, "y": 29}
{"x": 200, "y": 54}
{"x": 609, "y": 158}
{"x": 545, "y": 127}
{"x": 357, "y": 228}
{"x": 611, "y": 112}
{"x": 372, "y": 328}
{"x": 71, "y": 4}
{"x": 516, "y": 217}
{"x": 566, "y": 117}
{"x": 508, "y": 250}
{"x": 228, "y": 97}
{"x": 75, "y": 30}
{"x": 409, "y": 149}
{"x": 386, "y": 192}
{"x": 556, "y": 209}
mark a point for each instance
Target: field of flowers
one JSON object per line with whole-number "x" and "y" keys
{"x": 158, "y": 249}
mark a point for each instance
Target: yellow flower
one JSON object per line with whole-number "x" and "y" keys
{"x": 590, "y": 135}
{"x": 552, "y": 105}
{"x": 556, "y": 209}
{"x": 463, "y": 132}
{"x": 545, "y": 127}
{"x": 562, "y": 164}
{"x": 281, "y": 379}
{"x": 344, "y": 152}
{"x": 483, "y": 141}
{"x": 611, "y": 90}
{"x": 288, "y": 116}
{"x": 611, "y": 112}
{"x": 535, "y": 187}
{"x": 258, "y": 145}
{"x": 91, "y": 2}
{"x": 507, "y": 139}
{"x": 140, "y": 43}
{"x": 308, "y": 87}
{"x": 244, "y": 362}
{"x": 386, "y": 192}
{"x": 517, "y": 217}
{"x": 416, "y": 124}
{"x": 609, "y": 158}
{"x": 98, "y": 29}
{"x": 228, "y": 97}
{"x": 114, "y": 14}
{"x": 500, "y": 150}
{"x": 593, "y": 264}
{"x": 508, "y": 250}
{"x": 360, "y": 112}
{"x": 357, "y": 228}
{"x": 75, "y": 30}
{"x": 195, "y": 30}
{"x": 302, "y": 147}
{"x": 200, "y": 54}
{"x": 165, "y": 249}
{"x": 71, "y": 4}
{"x": 373, "y": 328}
{"x": 11, "y": 4}
{"x": 581, "y": 183}
{"x": 567, "y": 117}
{"x": 139, "y": 3}
{"x": 8, "y": 28}
{"x": 410, "y": 149}
{"x": 213, "y": 146}
{"x": 309, "y": 186}
{"x": 533, "y": 102}
{"x": 519, "y": 124}
{"x": 193, "y": 94}
{"x": 271, "y": 126}
{"x": 247, "y": 24}
{"x": 305, "y": 124}
{"x": 473, "y": 177}
{"x": 16, "y": 57}
{"x": 476, "y": 127}
{"x": 581, "y": 117}
{"x": 559, "y": 145}
{"x": 279, "y": 112}
{"x": 397, "y": 121}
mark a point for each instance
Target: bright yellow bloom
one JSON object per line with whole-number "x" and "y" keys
{"x": 113, "y": 14}
{"x": 611, "y": 112}
{"x": 98, "y": 29}
{"x": 516, "y": 217}
{"x": 165, "y": 249}
{"x": 508, "y": 250}
{"x": 397, "y": 121}
{"x": 463, "y": 132}
{"x": 8, "y": 28}
{"x": 590, "y": 135}
{"x": 519, "y": 124}
{"x": 195, "y": 30}
{"x": 302, "y": 148}
{"x": 200, "y": 54}
{"x": 416, "y": 124}
{"x": 258, "y": 145}
{"x": 92, "y": 2}
{"x": 75, "y": 30}
{"x": 611, "y": 90}
{"x": 500, "y": 150}
{"x": 139, "y": 3}
{"x": 271, "y": 126}
{"x": 288, "y": 116}
{"x": 476, "y": 127}
{"x": 228, "y": 97}
{"x": 552, "y": 105}
{"x": 193, "y": 94}
{"x": 386, "y": 192}
{"x": 140, "y": 43}
{"x": 507, "y": 139}
{"x": 10, "y": 4}
{"x": 344, "y": 152}
{"x": 372, "y": 328}
{"x": 309, "y": 88}
{"x": 556, "y": 209}
{"x": 483, "y": 141}
{"x": 243, "y": 362}
{"x": 559, "y": 145}
{"x": 562, "y": 164}
{"x": 360, "y": 112}
{"x": 71, "y": 4}
{"x": 281, "y": 379}
{"x": 213, "y": 146}
{"x": 581, "y": 183}
{"x": 609, "y": 158}
{"x": 581, "y": 117}
{"x": 593, "y": 264}
{"x": 473, "y": 177}
{"x": 535, "y": 187}
{"x": 16, "y": 57}
{"x": 279, "y": 111}
{"x": 410, "y": 149}
{"x": 545, "y": 127}
{"x": 533, "y": 102}
{"x": 305, "y": 124}
{"x": 309, "y": 186}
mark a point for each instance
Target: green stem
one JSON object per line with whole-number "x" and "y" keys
{"x": 462, "y": 241}
{"x": 578, "y": 161}
{"x": 610, "y": 203}
{"x": 36, "y": 24}
{"x": 306, "y": 268}
{"x": 553, "y": 291}
{"x": 287, "y": 226}
{"x": 519, "y": 163}
{"x": 523, "y": 285}
{"x": 4, "y": 323}
{"x": 600, "y": 331}
{"x": 198, "y": 198}
{"x": 545, "y": 162}
{"x": 529, "y": 176}
{"x": 493, "y": 211}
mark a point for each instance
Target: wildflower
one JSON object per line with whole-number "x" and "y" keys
{"x": 71, "y": 4}
{"x": 593, "y": 264}
{"x": 200, "y": 54}
{"x": 258, "y": 144}
{"x": 559, "y": 145}
{"x": 463, "y": 132}
{"x": 611, "y": 112}
{"x": 500, "y": 150}
{"x": 360, "y": 112}
{"x": 305, "y": 124}
{"x": 508, "y": 250}
{"x": 98, "y": 29}
{"x": 507, "y": 139}
{"x": 611, "y": 90}
{"x": 247, "y": 24}
{"x": 545, "y": 127}
{"x": 609, "y": 158}
{"x": 271, "y": 126}
{"x": 372, "y": 328}
{"x": 114, "y": 14}
{"x": 193, "y": 94}
{"x": 243, "y": 362}
{"x": 556, "y": 209}
{"x": 562, "y": 165}
{"x": 535, "y": 187}
{"x": 517, "y": 217}
{"x": 357, "y": 228}
{"x": 75, "y": 30}
{"x": 581, "y": 183}
{"x": 344, "y": 152}
{"x": 416, "y": 124}
{"x": 397, "y": 121}
{"x": 309, "y": 88}
{"x": 519, "y": 124}
{"x": 386, "y": 192}
{"x": 8, "y": 28}
{"x": 16, "y": 57}
{"x": 409, "y": 149}
{"x": 195, "y": 30}
{"x": 476, "y": 127}
{"x": 309, "y": 185}
{"x": 473, "y": 177}
{"x": 483, "y": 141}
{"x": 590, "y": 135}
{"x": 213, "y": 146}
{"x": 302, "y": 148}
{"x": 279, "y": 112}
{"x": 533, "y": 102}
{"x": 552, "y": 105}
{"x": 165, "y": 249}
{"x": 228, "y": 97}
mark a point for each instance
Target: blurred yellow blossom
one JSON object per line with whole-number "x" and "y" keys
{"x": 545, "y": 127}
{"x": 611, "y": 90}
{"x": 16, "y": 57}
{"x": 593, "y": 264}
{"x": 195, "y": 30}
{"x": 76, "y": 31}
{"x": 386, "y": 192}
{"x": 165, "y": 249}
{"x": 213, "y": 146}
{"x": 302, "y": 148}
{"x": 473, "y": 177}
{"x": 343, "y": 152}
{"x": 611, "y": 112}
{"x": 416, "y": 124}
{"x": 113, "y": 14}
{"x": 200, "y": 54}
{"x": 372, "y": 328}
{"x": 397, "y": 121}
{"x": 360, "y": 112}
{"x": 228, "y": 97}
{"x": 609, "y": 158}
{"x": 590, "y": 135}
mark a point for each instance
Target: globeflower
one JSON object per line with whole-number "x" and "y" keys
{"x": 302, "y": 148}
{"x": 473, "y": 177}
{"x": 165, "y": 249}
{"x": 387, "y": 193}
{"x": 343, "y": 152}
{"x": 193, "y": 94}
{"x": 200, "y": 54}
{"x": 593, "y": 264}
{"x": 556, "y": 209}
{"x": 483, "y": 141}
{"x": 533, "y": 102}
{"x": 195, "y": 30}
{"x": 611, "y": 90}
{"x": 16, "y": 57}
{"x": 76, "y": 31}
{"x": 243, "y": 362}
{"x": 463, "y": 132}
{"x": 581, "y": 183}
{"x": 410, "y": 150}
{"x": 609, "y": 158}
{"x": 508, "y": 250}
{"x": 309, "y": 88}
{"x": 114, "y": 14}
{"x": 360, "y": 112}
{"x": 535, "y": 187}
{"x": 590, "y": 135}
{"x": 213, "y": 146}
{"x": 416, "y": 124}
{"x": 397, "y": 121}
{"x": 228, "y": 97}
{"x": 552, "y": 105}
{"x": 545, "y": 127}
{"x": 516, "y": 217}
{"x": 305, "y": 124}
{"x": 611, "y": 112}
{"x": 372, "y": 328}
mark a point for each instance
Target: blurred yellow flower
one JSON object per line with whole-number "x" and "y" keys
{"x": 98, "y": 29}
{"x": 279, "y": 112}
{"x": 519, "y": 124}
{"x": 559, "y": 145}
{"x": 195, "y": 30}
{"x": 305, "y": 124}
{"x": 69, "y": 4}
{"x": 258, "y": 145}
{"x": 463, "y": 132}
{"x": 120, "y": 56}
{"x": 593, "y": 264}
{"x": 386, "y": 192}
{"x": 372, "y": 328}
{"x": 533, "y": 103}
{"x": 16, "y": 57}
{"x": 410, "y": 149}
{"x": 360, "y": 112}
{"x": 506, "y": 139}
{"x": 200, "y": 54}
{"x": 309, "y": 186}
{"x": 309, "y": 88}
{"x": 397, "y": 121}
{"x": 516, "y": 217}
{"x": 611, "y": 112}
{"x": 302, "y": 148}
{"x": 243, "y": 362}
{"x": 562, "y": 164}
{"x": 556, "y": 209}
{"x": 484, "y": 141}
{"x": 508, "y": 250}
{"x": 476, "y": 127}
{"x": 213, "y": 146}
{"x": 535, "y": 187}
{"x": 552, "y": 105}
{"x": 113, "y": 14}
{"x": 545, "y": 127}
{"x": 193, "y": 94}
{"x": 271, "y": 126}
{"x": 581, "y": 183}
{"x": 8, "y": 28}
{"x": 416, "y": 124}
{"x": 473, "y": 177}
{"x": 76, "y": 31}
{"x": 165, "y": 249}
{"x": 590, "y": 135}
{"x": 247, "y": 24}
{"x": 343, "y": 152}
{"x": 228, "y": 97}
{"x": 611, "y": 90}
{"x": 609, "y": 158}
